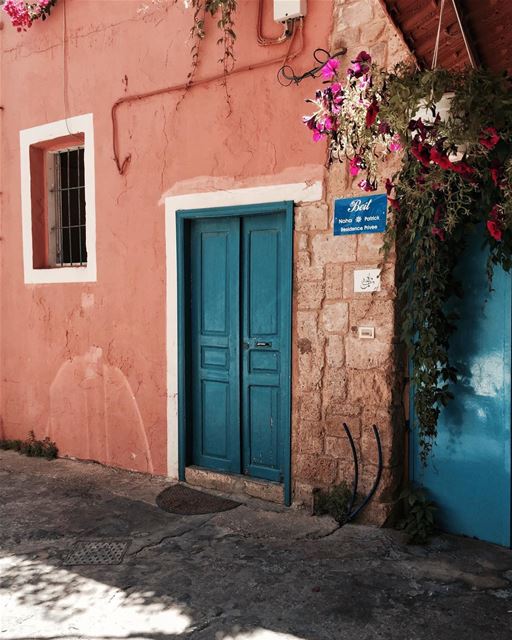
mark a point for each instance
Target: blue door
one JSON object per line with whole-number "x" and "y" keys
{"x": 469, "y": 472}
{"x": 240, "y": 343}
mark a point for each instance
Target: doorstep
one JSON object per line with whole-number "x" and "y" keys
{"x": 233, "y": 483}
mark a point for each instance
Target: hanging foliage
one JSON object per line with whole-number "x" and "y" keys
{"x": 225, "y": 10}
{"x": 23, "y": 13}
{"x": 455, "y": 181}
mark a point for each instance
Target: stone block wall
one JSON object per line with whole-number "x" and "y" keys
{"x": 338, "y": 377}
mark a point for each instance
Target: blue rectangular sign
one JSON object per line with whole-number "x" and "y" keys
{"x": 364, "y": 214}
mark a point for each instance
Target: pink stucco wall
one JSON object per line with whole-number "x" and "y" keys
{"x": 86, "y": 363}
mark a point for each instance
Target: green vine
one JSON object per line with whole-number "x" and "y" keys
{"x": 225, "y": 24}
{"x": 455, "y": 181}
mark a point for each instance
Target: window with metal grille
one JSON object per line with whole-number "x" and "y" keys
{"x": 67, "y": 208}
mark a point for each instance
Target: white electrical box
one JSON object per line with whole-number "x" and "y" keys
{"x": 288, "y": 9}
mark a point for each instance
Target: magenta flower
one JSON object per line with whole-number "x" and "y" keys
{"x": 360, "y": 65}
{"x": 395, "y": 144}
{"x": 356, "y": 164}
{"x": 367, "y": 185}
{"x": 330, "y": 68}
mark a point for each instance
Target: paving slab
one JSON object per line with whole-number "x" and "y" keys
{"x": 257, "y": 572}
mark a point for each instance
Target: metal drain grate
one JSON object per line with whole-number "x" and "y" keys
{"x": 97, "y": 552}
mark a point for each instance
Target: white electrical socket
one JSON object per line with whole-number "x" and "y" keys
{"x": 288, "y": 9}
{"x": 366, "y": 333}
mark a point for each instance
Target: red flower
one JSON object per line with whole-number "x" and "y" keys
{"x": 440, "y": 159}
{"x": 494, "y": 228}
{"x": 371, "y": 114}
{"x": 422, "y": 153}
{"x": 495, "y": 171}
{"x": 495, "y": 223}
{"x": 463, "y": 168}
{"x": 489, "y": 138}
{"x": 439, "y": 233}
{"x": 389, "y": 186}
{"x": 394, "y": 203}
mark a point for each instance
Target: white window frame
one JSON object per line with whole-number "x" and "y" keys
{"x": 59, "y": 274}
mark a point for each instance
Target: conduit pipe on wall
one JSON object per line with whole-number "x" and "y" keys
{"x": 265, "y": 42}
{"x": 122, "y": 166}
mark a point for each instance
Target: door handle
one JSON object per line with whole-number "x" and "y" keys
{"x": 263, "y": 344}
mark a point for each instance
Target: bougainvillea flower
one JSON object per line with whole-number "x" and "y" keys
{"x": 335, "y": 88}
{"x": 367, "y": 185}
{"x": 371, "y": 114}
{"x": 356, "y": 164}
{"x": 389, "y": 186}
{"x": 330, "y": 68}
{"x": 422, "y": 153}
{"x": 317, "y": 135}
{"x": 441, "y": 159}
{"x": 494, "y": 229}
{"x": 489, "y": 138}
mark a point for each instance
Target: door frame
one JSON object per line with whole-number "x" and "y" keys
{"x": 183, "y": 220}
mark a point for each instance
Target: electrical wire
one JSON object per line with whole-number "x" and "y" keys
{"x": 122, "y": 166}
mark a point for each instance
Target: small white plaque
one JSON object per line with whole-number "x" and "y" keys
{"x": 366, "y": 333}
{"x": 366, "y": 280}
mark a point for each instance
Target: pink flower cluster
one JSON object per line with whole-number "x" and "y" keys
{"x": 348, "y": 116}
{"x": 23, "y": 13}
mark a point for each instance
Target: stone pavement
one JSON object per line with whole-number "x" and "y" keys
{"x": 258, "y": 572}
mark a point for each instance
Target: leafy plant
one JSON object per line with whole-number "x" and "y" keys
{"x": 334, "y": 502}
{"x": 225, "y": 23}
{"x": 32, "y": 447}
{"x": 419, "y": 521}
{"x": 455, "y": 181}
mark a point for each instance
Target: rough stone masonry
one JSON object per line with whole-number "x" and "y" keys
{"x": 339, "y": 377}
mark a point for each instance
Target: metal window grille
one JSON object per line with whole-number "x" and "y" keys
{"x": 67, "y": 208}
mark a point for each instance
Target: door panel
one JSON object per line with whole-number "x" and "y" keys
{"x": 239, "y": 344}
{"x": 265, "y": 320}
{"x": 215, "y": 258}
{"x": 469, "y": 473}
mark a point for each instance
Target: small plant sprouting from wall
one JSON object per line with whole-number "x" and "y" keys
{"x": 419, "y": 520}
{"x": 334, "y": 502}
{"x": 32, "y": 447}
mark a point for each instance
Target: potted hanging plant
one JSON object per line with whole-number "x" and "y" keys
{"x": 455, "y": 180}
{"x": 23, "y": 13}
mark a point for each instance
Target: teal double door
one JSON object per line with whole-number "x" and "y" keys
{"x": 239, "y": 296}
